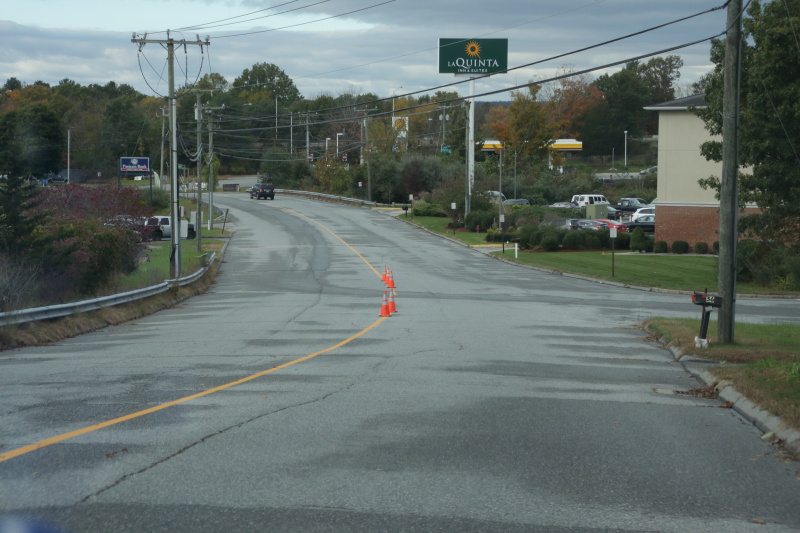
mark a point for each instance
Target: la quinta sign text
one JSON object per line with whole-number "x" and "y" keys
{"x": 473, "y": 56}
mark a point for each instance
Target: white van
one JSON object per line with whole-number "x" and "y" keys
{"x": 589, "y": 199}
{"x": 496, "y": 197}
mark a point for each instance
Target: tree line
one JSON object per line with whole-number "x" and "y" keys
{"x": 389, "y": 148}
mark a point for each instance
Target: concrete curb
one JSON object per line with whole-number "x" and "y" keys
{"x": 761, "y": 418}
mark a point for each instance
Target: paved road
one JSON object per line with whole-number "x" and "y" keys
{"x": 498, "y": 398}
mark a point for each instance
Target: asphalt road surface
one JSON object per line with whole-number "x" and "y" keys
{"x": 498, "y": 398}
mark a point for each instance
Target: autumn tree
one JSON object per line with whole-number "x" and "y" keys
{"x": 497, "y": 124}
{"x": 571, "y": 99}
{"x": 530, "y": 131}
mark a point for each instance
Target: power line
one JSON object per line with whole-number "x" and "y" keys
{"x": 305, "y": 23}
{"x": 210, "y": 24}
{"x": 560, "y": 56}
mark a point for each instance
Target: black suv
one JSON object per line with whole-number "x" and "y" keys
{"x": 263, "y": 190}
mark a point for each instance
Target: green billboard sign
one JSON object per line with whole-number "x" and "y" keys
{"x": 473, "y": 56}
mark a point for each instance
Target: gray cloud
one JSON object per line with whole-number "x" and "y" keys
{"x": 324, "y": 59}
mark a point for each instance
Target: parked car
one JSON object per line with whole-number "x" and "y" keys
{"x": 621, "y": 227}
{"x": 147, "y": 232}
{"x": 562, "y": 223}
{"x": 613, "y": 212}
{"x": 564, "y": 205}
{"x": 643, "y": 212}
{"x": 263, "y": 190}
{"x": 646, "y": 222}
{"x": 651, "y": 170}
{"x": 630, "y": 205}
{"x": 163, "y": 222}
{"x": 585, "y": 224}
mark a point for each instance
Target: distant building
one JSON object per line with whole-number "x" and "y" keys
{"x": 684, "y": 210}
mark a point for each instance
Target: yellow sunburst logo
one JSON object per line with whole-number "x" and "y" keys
{"x": 473, "y": 49}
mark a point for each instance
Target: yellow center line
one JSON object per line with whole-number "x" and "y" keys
{"x": 65, "y": 436}
{"x": 326, "y": 228}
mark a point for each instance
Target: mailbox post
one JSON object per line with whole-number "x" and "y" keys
{"x": 708, "y": 302}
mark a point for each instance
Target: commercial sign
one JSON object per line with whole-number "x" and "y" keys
{"x": 473, "y": 56}
{"x": 134, "y": 164}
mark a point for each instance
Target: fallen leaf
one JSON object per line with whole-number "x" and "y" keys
{"x": 758, "y": 521}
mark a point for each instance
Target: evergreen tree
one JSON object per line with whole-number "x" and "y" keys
{"x": 18, "y": 221}
{"x": 769, "y": 120}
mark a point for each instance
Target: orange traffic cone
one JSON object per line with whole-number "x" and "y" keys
{"x": 385, "y": 307}
{"x": 390, "y": 280}
{"x": 385, "y": 275}
{"x": 392, "y": 307}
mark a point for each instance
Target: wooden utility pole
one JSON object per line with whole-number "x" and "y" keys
{"x": 198, "y": 223}
{"x": 208, "y": 111}
{"x": 175, "y": 256}
{"x": 729, "y": 186}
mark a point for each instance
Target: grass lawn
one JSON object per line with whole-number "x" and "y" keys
{"x": 666, "y": 271}
{"x": 439, "y": 225}
{"x": 763, "y": 363}
{"x": 155, "y": 268}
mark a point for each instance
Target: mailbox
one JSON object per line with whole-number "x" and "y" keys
{"x": 705, "y": 299}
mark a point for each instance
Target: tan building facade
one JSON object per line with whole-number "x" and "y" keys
{"x": 684, "y": 210}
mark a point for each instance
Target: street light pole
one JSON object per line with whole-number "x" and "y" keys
{"x": 337, "y": 142}
{"x": 626, "y": 149}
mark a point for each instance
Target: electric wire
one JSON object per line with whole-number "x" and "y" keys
{"x": 525, "y": 85}
{"x": 204, "y": 25}
{"x": 304, "y": 23}
{"x": 271, "y": 15}
{"x": 545, "y": 60}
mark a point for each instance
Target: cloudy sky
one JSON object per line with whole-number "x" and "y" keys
{"x": 337, "y": 46}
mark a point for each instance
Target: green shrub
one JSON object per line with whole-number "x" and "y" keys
{"x": 592, "y": 240}
{"x": 716, "y": 247}
{"x": 639, "y": 241}
{"x": 425, "y": 209}
{"x": 701, "y": 248}
{"x": 495, "y": 235}
{"x": 550, "y": 242}
{"x": 484, "y": 219}
{"x": 573, "y": 240}
{"x": 680, "y": 247}
{"x": 746, "y": 254}
{"x": 623, "y": 241}
{"x": 660, "y": 247}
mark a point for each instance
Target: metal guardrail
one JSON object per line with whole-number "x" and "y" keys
{"x": 328, "y": 196}
{"x": 55, "y": 311}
